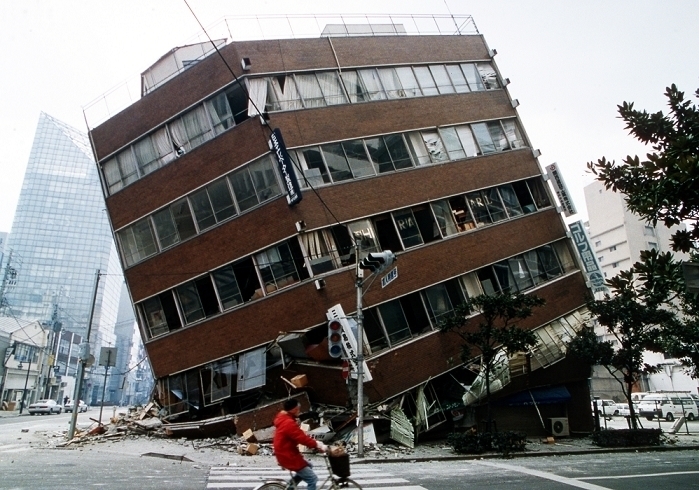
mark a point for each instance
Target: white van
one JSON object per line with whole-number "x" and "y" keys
{"x": 668, "y": 406}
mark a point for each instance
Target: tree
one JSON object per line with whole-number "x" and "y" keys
{"x": 663, "y": 188}
{"x": 495, "y": 331}
{"x": 636, "y": 317}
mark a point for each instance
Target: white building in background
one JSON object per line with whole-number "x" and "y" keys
{"x": 618, "y": 237}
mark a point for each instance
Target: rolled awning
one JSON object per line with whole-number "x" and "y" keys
{"x": 542, "y": 396}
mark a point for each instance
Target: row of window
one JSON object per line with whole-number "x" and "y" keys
{"x": 225, "y": 198}
{"x": 286, "y": 92}
{"x": 404, "y": 318}
{"x": 321, "y": 251}
{"x": 320, "y": 89}
{"x": 258, "y": 182}
{"x": 353, "y": 159}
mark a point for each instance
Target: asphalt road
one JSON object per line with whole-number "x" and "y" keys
{"x": 27, "y": 462}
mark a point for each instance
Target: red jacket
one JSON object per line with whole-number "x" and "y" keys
{"x": 287, "y": 436}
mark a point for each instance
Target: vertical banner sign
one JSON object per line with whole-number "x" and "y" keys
{"x": 276, "y": 144}
{"x": 559, "y": 186}
{"x": 588, "y": 257}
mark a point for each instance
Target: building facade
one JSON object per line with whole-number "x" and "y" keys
{"x": 618, "y": 237}
{"x": 60, "y": 238}
{"x": 409, "y": 143}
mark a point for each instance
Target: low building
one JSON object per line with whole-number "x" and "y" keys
{"x": 25, "y": 362}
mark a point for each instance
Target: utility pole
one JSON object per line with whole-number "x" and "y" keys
{"x": 376, "y": 263}
{"x": 26, "y": 381}
{"x": 84, "y": 357}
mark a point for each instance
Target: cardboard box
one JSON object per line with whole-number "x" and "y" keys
{"x": 299, "y": 380}
{"x": 252, "y": 449}
{"x": 249, "y": 436}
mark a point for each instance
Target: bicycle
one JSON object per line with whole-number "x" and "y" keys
{"x": 332, "y": 482}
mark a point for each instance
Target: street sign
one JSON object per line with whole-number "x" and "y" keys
{"x": 108, "y": 356}
{"x": 390, "y": 277}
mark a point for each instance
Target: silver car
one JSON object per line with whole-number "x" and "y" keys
{"x": 44, "y": 406}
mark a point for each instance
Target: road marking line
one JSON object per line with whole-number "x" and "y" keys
{"x": 638, "y": 476}
{"x": 542, "y": 474}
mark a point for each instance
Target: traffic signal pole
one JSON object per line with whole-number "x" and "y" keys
{"x": 360, "y": 362}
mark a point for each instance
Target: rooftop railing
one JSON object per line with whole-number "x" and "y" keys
{"x": 259, "y": 27}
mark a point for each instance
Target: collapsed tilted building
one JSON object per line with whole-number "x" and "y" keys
{"x": 396, "y": 141}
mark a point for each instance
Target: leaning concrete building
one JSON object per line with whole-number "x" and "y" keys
{"x": 398, "y": 141}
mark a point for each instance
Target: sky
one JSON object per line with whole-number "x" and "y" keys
{"x": 570, "y": 64}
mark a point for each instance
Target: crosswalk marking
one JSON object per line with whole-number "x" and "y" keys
{"x": 14, "y": 448}
{"x": 231, "y": 477}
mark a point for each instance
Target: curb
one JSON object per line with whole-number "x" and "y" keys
{"x": 425, "y": 459}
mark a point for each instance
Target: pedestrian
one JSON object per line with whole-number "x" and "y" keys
{"x": 65, "y": 400}
{"x": 287, "y": 437}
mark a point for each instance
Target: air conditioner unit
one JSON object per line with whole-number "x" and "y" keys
{"x": 559, "y": 426}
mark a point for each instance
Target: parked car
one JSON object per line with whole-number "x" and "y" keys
{"x": 668, "y": 406}
{"x": 44, "y": 406}
{"x": 605, "y": 408}
{"x": 82, "y": 406}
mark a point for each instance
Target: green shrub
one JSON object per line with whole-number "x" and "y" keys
{"x": 627, "y": 437}
{"x": 477, "y": 443}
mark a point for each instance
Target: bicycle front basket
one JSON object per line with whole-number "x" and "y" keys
{"x": 340, "y": 465}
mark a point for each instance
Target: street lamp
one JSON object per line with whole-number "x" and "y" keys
{"x": 26, "y": 381}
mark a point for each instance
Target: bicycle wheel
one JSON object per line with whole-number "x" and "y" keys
{"x": 272, "y": 485}
{"x": 345, "y": 483}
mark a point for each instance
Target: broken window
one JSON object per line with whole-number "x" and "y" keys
{"x": 312, "y": 165}
{"x": 520, "y": 272}
{"x": 309, "y": 90}
{"x": 354, "y": 86}
{"x": 174, "y": 224}
{"x": 541, "y": 197}
{"x": 160, "y": 314}
{"x": 278, "y": 265}
{"x": 331, "y": 88}
{"x": 467, "y": 141}
{"x": 282, "y": 93}
{"x": 375, "y": 337}
{"x": 358, "y": 159}
{"x": 509, "y": 199}
{"x": 524, "y": 197}
{"x": 391, "y": 83}
{"x": 227, "y": 287}
{"x": 197, "y": 299}
{"x": 220, "y": 113}
{"x": 415, "y": 313}
{"x": 252, "y": 370}
{"x": 394, "y": 322}
{"x": 512, "y": 133}
{"x": 473, "y": 77}
{"x": 445, "y": 219}
{"x": 452, "y": 143}
{"x": 441, "y": 300}
{"x": 191, "y": 130}
{"x": 217, "y": 380}
{"x": 372, "y": 84}
{"x": 407, "y": 228}
{"x": 461, "y": 213}
{"x": 488, "y": 75}
{"x": 363, "y": 233}
{"x": 321, "y": 251}
{"x": 479, "y": 206}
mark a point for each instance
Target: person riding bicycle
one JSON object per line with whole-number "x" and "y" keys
{"x": 287, "y": 436}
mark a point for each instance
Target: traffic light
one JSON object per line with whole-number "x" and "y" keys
{"x": 378, "y": 261}
{"x": 335, "y": 338}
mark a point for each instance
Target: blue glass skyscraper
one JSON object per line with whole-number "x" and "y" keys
{"x": 60, "y": 237}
